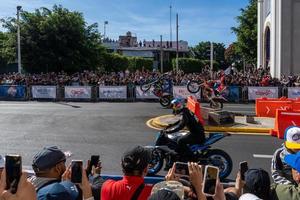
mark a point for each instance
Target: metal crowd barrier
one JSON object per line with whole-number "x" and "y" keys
{"x": 236, "y": 94}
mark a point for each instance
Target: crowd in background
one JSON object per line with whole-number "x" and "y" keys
{"x": 233, "y": 77}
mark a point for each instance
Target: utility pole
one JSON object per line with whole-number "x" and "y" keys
{"x": 170, "y": 23}
{"x": 211, "y": 59}
{"x": 177, "y": 44}
{"x": 19, "y": 39}
{"x": 161, "y": 56}
{"x": 105, "y": 23}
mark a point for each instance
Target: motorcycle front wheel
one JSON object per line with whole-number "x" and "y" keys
{"x": 165, "y": 101}
{"x": 220, "y": 159}
{"x": 193, "y": 87}
{"x": 145, "y": 87}
{"x": 156, "y": 163}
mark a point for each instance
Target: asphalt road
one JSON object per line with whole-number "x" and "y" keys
{"x": 107, "y": 129}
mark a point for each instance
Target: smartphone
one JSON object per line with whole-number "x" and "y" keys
{"x": 243, "y": 169}
{"x": 13, "y": 167}
{"x": 93, "y": 162}
{"x": 76, "y": 171}
{"x": 181, "y": 169}
{"x": 211, "y": 175}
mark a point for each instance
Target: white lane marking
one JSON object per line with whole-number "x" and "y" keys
{"x": 262, "y": 156}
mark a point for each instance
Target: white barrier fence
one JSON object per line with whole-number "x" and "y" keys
{"x": 144, "y": 95}
{"x": 182, "y": 92}
{"x": 113, "y": 92}
{"x": 78, "y": 92}
{"x": 121, "y": 92}
{"x": 260, "y": 92}
{"x": 43, "y": 92}
{"x": 294, "y": 92}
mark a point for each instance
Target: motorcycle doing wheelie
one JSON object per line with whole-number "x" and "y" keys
{"x": 215, "y": 98}
{"x": 165, "y": 98}
{"x": 165, "y": 151}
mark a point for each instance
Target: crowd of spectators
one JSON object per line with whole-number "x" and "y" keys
{"x": 52, "y": 179}
{"x": 233, "y": 77}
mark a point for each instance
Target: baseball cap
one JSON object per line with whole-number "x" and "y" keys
{"x": 58, "y": 191}
{"x": 257, "y": 181}
{"x": 2, "y": 161}
{"x": 292, "y": 137}
{"x": 47, "y": 158}
{"x": 171, "y": 190}
{"x": 293, "y": 160}
{"x": 136, "y": 158}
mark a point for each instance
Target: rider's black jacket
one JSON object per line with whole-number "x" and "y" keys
{"x": 190, "y": 121}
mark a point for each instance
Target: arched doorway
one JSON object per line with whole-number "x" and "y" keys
{"x": 267, "y": 46}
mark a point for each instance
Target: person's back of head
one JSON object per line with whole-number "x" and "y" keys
{"x": 49, "y": 162}
{"x": 135, "y": 161}
{"x": 257, "y": 182}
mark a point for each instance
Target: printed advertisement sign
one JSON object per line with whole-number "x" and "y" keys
{"x": 112, "y": 92}
{"x": 293, "y": 92}
{"x": 144, "y": 95}
{"x": 78, "y": 92}
{"x": 43, "y": 92}
{"x": 182, "y": 92}
{"x": 260, "y": 92}
{"x": 12, "y": 91}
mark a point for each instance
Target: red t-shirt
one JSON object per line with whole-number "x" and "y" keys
{"x": 124, "y": 189}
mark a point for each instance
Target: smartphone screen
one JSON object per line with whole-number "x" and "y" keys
{"x": 243, "y": 169}
{"x": 181, "y": 169}
{"x": 210, "y": 180}
{"x": 93, "y": 162}
{"x": 13, "y": 167}
{"x": 76, "y": 171}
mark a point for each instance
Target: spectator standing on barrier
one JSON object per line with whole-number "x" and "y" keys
{"x": 281, "y": 172}
{"x": 49, "y": 166}
{"x": 135, "y": 167}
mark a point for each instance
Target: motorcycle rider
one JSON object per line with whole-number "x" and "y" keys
{"x": 196, "y": 133}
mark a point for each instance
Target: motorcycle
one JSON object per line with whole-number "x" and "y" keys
{"x": 165, "y": 151}
{"x": 216, "y": 100}
{"x": 165, "y": 98}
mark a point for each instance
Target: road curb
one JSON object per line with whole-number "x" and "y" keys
{"x": 156, "y": 123}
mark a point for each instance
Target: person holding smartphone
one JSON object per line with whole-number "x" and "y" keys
{"x": 49, "y": 164}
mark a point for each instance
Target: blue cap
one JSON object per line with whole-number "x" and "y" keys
{"x": 58, "y": 191}
{"x": 48, "y": 158}
{"x": 293, "y": 160}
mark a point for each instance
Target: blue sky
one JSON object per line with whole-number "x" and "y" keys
{"x": 199, "y": 20}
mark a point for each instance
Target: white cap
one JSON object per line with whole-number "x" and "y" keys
{"x": 2, "y": 162}
{"x": 249, "y": 196}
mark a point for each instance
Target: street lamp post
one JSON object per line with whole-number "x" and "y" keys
{"x": 19, "y": 39}
{"x": 105, "y": 23}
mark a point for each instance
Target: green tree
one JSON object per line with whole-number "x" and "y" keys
{"x": 246, "y": 32}
{"x": 232, "y": 56}
{"x": 7, "y": 52}
{"x": 202, "y": 52}
{"x": 57, "y": 39}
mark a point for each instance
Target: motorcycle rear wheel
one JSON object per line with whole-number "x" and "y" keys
{"x": 220, "y": 159}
